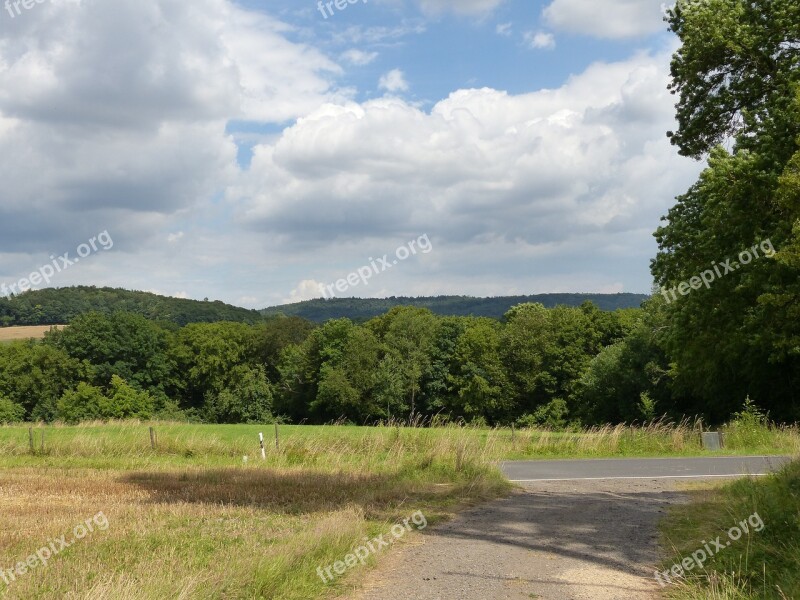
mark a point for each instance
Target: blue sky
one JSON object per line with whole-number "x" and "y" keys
{"x": 253, "y": 151}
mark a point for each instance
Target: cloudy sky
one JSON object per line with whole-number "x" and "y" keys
{"x": 249, "y": 151}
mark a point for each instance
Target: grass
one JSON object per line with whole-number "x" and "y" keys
{"x": 10, "y": 334}
{"x": 96, "y": 444}
{"x": 220, "y": 527}
{"x": 762, "y": 564}
{"x": 223, "y": 528}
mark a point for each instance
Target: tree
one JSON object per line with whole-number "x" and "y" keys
{"x": 34, "y": 376}
{"x": 408, "y": 334}
{"x": 206, "y": 356}
{"x": 479, "y": 379}
{"x": 122, "y": 344}
{"x": 735, "y": 73}
{"x": 247, "y": 399}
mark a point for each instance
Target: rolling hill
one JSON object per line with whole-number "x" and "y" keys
{"x": 358, "y": 309}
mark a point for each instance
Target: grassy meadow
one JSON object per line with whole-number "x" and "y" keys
{"x": 191, "y": 518}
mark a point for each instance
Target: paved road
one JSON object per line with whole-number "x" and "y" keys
{"x": 576, "y": 530}
{"x": 641, "y": 468}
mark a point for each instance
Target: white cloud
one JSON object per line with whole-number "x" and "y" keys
{"x": 174, "y": 237}
{"x": 610, "y": 19}
{"x": 359, "y": 57}
{"x": 504, "y": 29}
{"x": 393, "y": 81}
{"x": 308, "y": 289}
{"x": 523, "y": 187}
{"x": 117, "y": 113}
{"x": 540, "y": 40}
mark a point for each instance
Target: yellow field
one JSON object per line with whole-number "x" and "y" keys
{"x": 8, "y": 334}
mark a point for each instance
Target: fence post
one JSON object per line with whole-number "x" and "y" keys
{"x": 152, "y": 438}
{"x": 42, "y": 449}
{"x": 261, "y": 441}
{"x": 277, "y": 443}
{"x": 30, "y": 440}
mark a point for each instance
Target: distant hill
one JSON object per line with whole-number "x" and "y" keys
{"x": 53, "y": 306}
{"x": 365, "y": 308}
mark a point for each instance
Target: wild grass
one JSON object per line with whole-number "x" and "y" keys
{"x": 334, "y": 446}
{"x": 761, "y": 565}
{"x": 191, "y": 518}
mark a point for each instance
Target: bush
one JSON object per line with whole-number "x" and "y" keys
{"x": 85, "y": 403}
{"x": 10, "y": 412}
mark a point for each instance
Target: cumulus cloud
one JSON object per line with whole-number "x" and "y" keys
{"x": 308, "y": 289}
{"x": 540, "y": 40}
{"x": 114, "y": 113}
{"x": 610, "y": 19}
{"x": 393, "y": 81}
{"x": 584, "y": 170}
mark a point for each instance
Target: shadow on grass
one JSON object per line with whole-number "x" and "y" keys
{"x": 291, "y": 492}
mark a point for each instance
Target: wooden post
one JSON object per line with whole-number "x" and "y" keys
{"x": 261, "y": 441}
{"x": 30, "y": 440}
{"x": 512, "y": 433}
{"x": 152, "y": 438}
{"x": 42, "y": 448}
{"x": 277, "y": 443}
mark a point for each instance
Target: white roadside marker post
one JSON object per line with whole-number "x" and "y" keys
{"x": 263, "y": 452}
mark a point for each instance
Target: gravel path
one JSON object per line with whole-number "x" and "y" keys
{"x": 552, "y": 540}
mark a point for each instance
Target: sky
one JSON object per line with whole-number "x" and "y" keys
{"x": 259, "y": 152}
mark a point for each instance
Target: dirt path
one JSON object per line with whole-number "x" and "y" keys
{"x": 553, "y": 540}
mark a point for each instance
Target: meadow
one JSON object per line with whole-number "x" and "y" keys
{"x": 222, "y": 527}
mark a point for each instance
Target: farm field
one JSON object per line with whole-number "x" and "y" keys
{"x": 9, "y": 334}
{"x": 223, "y": 527}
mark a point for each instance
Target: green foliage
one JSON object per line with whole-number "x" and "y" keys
{"x": 735, "y": 71}
{"x": 362, "y": 309}
{"x": 59, "y": 306}
{"x": 122, "y": 344}
{"x": 88, "y": 402}
{"x": 737, "y": 74}
{"x": 85, "y": 403}
{"x": 10, "y": 412}
{"x": 35, "y": 376}
{"x": 247, "y": 400}
{"x": 552, "y": 415}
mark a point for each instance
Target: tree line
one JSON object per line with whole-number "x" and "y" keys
{"x": 553, "y": 367}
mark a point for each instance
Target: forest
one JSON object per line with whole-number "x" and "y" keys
{"x": 560, "y": 367}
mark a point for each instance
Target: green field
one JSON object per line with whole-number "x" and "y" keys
{"x": 223, "y": 527}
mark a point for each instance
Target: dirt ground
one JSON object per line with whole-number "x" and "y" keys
{"x": 550, "y": 540}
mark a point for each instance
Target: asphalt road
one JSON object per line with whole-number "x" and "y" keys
{"x": 641, "y": 468}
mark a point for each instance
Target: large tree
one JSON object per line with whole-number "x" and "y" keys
{"x": 737, "y": 76}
